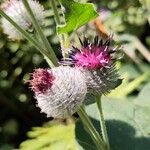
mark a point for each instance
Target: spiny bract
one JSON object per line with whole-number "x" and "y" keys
{"x": 96, "y": 62}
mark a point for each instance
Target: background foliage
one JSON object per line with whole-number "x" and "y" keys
{"x": 126, "y": 109}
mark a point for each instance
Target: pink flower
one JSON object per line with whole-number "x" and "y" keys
{"x": 96, "y": 62}
{"x": 92, "y": 56}
{"x": 42, "y": 80}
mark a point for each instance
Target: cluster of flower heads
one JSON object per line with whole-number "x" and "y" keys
{"x": 61, "y": 91}
{"x": 17, "y": 12}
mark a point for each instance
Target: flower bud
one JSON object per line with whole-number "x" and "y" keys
{"x": 59, "y": 91}
{"x": 18, "y": 13}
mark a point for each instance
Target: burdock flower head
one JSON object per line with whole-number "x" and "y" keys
{"x": 59, "y": 91}
{"x": 16, "y": 11}
{"x": 97, "y": 63}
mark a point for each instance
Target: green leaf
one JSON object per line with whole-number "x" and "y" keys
{"x": 128, "y": 86}
{"x": 56, "y": 137}
{"x": 127, "y": 123}
{"x": 76, "y": 14}
{"x": 144, "y": 96}
{"x": 83, "y": 137}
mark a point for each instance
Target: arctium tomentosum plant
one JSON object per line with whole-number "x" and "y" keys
{"x": 60, "y": 90}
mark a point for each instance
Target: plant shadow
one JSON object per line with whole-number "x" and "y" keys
{"x": 122, "y": 136}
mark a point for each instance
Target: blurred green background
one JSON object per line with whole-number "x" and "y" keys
{"x": 129, "y": 20}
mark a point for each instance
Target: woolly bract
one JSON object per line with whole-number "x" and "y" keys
{"x": 64, "y": 95}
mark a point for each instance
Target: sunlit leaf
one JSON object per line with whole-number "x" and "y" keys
{"x": 128, "y": 86}
{"x": 56, "y": 137}
{"x": 76, "y": 14}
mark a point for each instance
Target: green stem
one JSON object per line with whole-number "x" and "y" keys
{"x": 56, "y": 13}
{"x": 102, "y": 122}
{"x": 45, "y": 41}
{"x": 91, "y": 129}
{"x": 64, "y": 38}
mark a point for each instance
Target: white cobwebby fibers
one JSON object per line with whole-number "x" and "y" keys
{"x": 66, "y": 94}
{"x": 16, "y": 11}
{"x": 101, "y": 81}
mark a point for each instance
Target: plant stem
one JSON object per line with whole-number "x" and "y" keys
{"x": 45, "y": 41}
{"x": 56, "y": 13}
{"x": 64, "y": 38}
{"x": 91, "y": 129}
{"x": 102, "y": 122}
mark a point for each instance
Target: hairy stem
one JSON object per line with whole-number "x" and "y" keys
{"x": 45, "y": 41}
{"x": 64, "y": 38}
{"x": 55, "y": 10}
{"x": 102, "y": 122}
{"x": 91, "y": 129}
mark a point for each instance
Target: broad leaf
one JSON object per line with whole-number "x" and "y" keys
{"x": 76, "y": 14}
{"x": 127, "y": 86}
{"x": 127, "y": 122}
{"x": 144, "y": 96}
{"x": 56, "y": 137}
